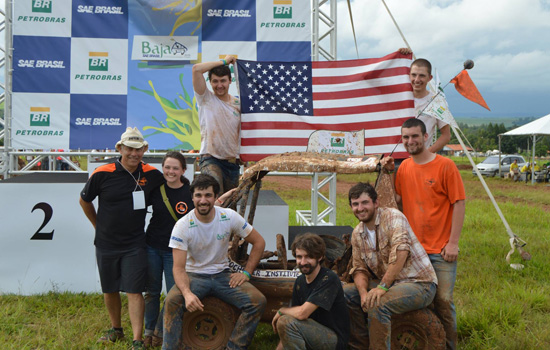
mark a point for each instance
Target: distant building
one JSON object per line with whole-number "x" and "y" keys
{"x": 454, "y": 150}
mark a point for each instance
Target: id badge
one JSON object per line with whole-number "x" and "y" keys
{"x": 139, "y": 200}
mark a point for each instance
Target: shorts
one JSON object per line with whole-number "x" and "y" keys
{"x": 122, "y": 270}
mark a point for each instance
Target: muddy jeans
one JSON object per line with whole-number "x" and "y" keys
{"x": 246, "y": 297}
{"x": 400, "y": 298}
{"x": 443, "y": 301}
{"x": 224, "y": 171}
{"x": 306, "y": 334}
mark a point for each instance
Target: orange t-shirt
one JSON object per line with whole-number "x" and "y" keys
{"x": 428, "y": 192}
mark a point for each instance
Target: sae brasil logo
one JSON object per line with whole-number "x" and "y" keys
{"x": 98, "y": 61}
{"x": 40, "y": 116}
{"x": 282, "y": 8}
{"x": 43, "y": 6}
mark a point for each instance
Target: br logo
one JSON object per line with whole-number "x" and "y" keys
{"x": 44, "y": 6}
{"x": 98, "y": 61}
{"x": 282, "y": 8}
{"x": 40, "y": 116}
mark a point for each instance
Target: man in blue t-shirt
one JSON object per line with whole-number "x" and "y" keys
{"x": 318, "y": 303}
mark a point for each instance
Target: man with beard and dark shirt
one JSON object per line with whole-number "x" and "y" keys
{"x": 318, "y": 318}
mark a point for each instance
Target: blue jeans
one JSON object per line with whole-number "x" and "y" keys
{"x": 246, "y": 297}
{"x": 443, "y": 301}
{"x": 225, "y": 172}
{"x": 304, "y": 334}
{"x": 159, "y": 261}
{"x": 400, "y": 298}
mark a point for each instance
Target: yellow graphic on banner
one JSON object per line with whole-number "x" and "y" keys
{"x": 193, "y": 14}
{"x": 182, "y": 123}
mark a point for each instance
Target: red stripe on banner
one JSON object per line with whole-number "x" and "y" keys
{"x": 367, "y": 125}
{"x": 374, "y": 91}
{"x": 383, "y": 140}
{"x": 274, "y": 141}
{"x": 373, "y": 108}
{"x": 358, "y": 63}
{"x": 375, "y": 74}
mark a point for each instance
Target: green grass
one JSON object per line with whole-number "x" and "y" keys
{"x": 497, "y": 307}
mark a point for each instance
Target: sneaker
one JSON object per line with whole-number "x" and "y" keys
{"x": 157, "y": 341}
{"x": 111, "y": 335}
{"x": 138, "y": 345}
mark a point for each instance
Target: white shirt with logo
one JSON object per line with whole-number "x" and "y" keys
{"x": 207, "y": 244}
{"x": 220, "y": 124}
{"x": 430, "y": 121}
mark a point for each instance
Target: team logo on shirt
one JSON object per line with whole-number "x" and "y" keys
{"x": 177, "y": 239}
{"x": 430, "y": 182}
{"x": 222, "y": 237}
{"x": 142, "y": 181}
{"x": 181, "y": 208}
{"x": 223, "y": 216}
{"x": 244, "y": 226}
{"x": 192, "y": 223}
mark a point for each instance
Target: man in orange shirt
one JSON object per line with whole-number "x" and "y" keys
{"x": 430, "y": 190}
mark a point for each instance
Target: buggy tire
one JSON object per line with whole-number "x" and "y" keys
{"x": 211, "y": 328}
{"x": 418, "y": 330}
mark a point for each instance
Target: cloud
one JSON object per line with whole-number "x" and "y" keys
{"x": 508, "y": 39}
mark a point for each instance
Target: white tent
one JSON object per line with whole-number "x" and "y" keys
{"x": 540, "y": 126}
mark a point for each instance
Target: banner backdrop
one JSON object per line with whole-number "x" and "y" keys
{"x": 86, "y": 69}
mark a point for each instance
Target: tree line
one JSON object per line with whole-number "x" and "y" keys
{"x": 484, "y": 137}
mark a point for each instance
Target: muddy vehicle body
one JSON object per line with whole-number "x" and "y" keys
{"x": 210, "y": 329}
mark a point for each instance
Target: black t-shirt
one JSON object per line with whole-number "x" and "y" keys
{"x": 326, "y": 292}
{"x": 161, "y": 224}
{"x": 118, "y": 225}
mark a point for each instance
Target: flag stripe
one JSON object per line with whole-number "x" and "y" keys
{"x": 283, "y": 103}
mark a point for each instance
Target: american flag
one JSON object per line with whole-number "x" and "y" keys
{"x": 282, "y": 103}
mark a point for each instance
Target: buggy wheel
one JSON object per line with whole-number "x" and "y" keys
{"x": 416, "y": 330}
{"x": 211, "y": 328}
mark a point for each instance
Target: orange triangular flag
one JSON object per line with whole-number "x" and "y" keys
{"x": 466, "y": 87}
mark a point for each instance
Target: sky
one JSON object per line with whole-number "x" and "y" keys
{"x": 508, "y": 40}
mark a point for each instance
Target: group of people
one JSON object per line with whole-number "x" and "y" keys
{"x": 402, "y": 260}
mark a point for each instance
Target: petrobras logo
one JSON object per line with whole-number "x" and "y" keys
{"x": 282, "y": 16}
{"x": 41, "y": 10}
{"x": 98, "y": 61}
{"x": 39, "y": 124}
{"x": 223, "y": 216}
{"x": 165, "y": 48}
{"x": 282, "y": 9}
{"x": 338, "y": 140}
{"x": 42, "y": 6}
{"x": 40, "y": 116}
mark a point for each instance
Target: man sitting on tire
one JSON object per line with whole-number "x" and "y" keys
{"x": 318, "y": 318}
{"x": 390, "y": 268}
{"x": 199, "y": 245}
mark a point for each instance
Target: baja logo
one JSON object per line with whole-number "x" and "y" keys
{"x": 142, "y": 182}
{"x": 40, "y": 116}
{"x": 282, "y": 8}
{"x": 98, "y": 61}
{"x": 43, "y": 6}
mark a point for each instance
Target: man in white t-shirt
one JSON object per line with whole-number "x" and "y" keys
{"x": 420, "y": 75}
{"x": 220, "y": 122}
{"x": 199, "y": 243}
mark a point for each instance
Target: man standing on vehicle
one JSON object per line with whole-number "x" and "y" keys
{"x": 220, "y": 122}
{"x": 199, "y": 243}
{"x": 318, "y": 318}
{"x": 430, "y": 189}
{"x": 420, "y": 75}
{"x": 391, "y": 270}
{"x": 123, "y": 188}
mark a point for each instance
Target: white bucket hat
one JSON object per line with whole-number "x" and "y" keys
{"x": 132, "y": 138}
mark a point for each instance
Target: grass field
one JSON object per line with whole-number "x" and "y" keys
{"x": 497, "y": 307}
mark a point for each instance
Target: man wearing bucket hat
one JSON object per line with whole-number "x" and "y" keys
{"x": 122, "y": 187}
